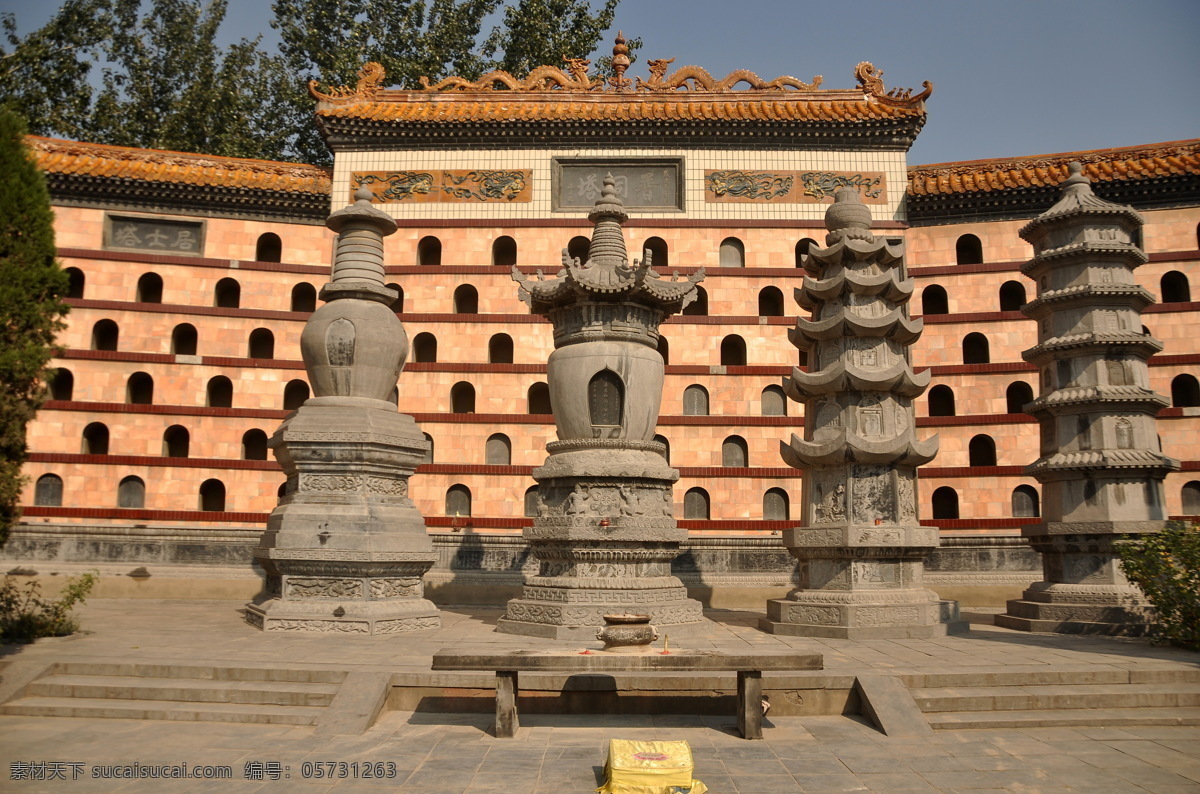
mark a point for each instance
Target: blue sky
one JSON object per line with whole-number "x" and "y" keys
{"x": 1011, "y": 77}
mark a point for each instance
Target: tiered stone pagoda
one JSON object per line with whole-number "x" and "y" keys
{"x": 1101, "y": 465}
{"x": 862, "y": 548}
{"x": 605, "y": 533}
{"x": 346, "y": 550}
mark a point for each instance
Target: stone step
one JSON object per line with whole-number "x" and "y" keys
{"x": 104, "y": 708}
{"x": 199, "y": 671}
{"x": 1066, "y": 718}
{"x": 1041, "y": 675}
{"x": 1026, "y": 698}
{"x": 191, "y": 690}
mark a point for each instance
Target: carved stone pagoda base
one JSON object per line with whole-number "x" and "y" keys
{"x": 371, "y": 593}
{"x": 1085, "y": 591}
{"x": 346, "y": 549}
{"x": 853, "y": 587}
{"x": 604, "y": 546}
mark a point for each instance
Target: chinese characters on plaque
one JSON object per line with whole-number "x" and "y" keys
{"x": 641, "y": 186}
{"x": 154, "y": 234}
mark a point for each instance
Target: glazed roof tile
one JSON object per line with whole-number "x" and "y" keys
{"x": 1173, "y": 158}
{"x": 71, "y": 158}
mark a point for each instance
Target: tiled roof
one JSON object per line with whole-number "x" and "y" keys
{"x": 69, "y": 158}
{"x": 1174, "y": 158}
{"x": 418, "y": 107}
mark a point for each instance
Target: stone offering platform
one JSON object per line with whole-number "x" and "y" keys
{"x": 592, "y": 661}
{"x": 1001, "y": 709}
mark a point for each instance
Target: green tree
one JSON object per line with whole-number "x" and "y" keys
{"x": 543, "y": 32}
{"x": 167, "y": 85}
{"x": 31, "y": 285}
{"x": 44, "y": 76}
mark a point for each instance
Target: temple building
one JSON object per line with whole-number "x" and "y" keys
{"x": 192, "y": 278}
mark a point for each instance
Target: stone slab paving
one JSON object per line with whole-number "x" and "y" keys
{"x": 436, "y": 753}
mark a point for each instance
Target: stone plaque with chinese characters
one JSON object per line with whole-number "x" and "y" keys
{"x": 791, "y": 187}
{"x": 454, "y": 187}
{"x": 157, "y": 235}
{"x": 642, "y": 185}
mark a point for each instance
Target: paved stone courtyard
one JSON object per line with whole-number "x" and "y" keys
{"x": 555, "y": 753}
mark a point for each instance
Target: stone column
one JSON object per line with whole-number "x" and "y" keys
{"x": 346, "y": 549}
{"x": 862, "y": 549}
{"x": 1101, "y": 465}
{"x": 605, "y": 534}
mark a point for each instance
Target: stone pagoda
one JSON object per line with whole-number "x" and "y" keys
{"x": 346, "y": 550}
{"x": 862, "y": 548}
{"x": 1101, "y": 465}
{"x": 605, "y": 533}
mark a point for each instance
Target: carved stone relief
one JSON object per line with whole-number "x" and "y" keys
{"x": 322, "y": 588}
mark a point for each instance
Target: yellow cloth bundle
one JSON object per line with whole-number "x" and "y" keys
{"x": 649, "y": 768}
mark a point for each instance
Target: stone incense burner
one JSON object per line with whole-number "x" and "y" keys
{"x": 627, "y": 633}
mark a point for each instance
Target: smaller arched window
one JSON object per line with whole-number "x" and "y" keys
{"x": 770, "y": 302}
{"x": 62, "y": 384}
{"x": 304, "y": 297}
{"x": 776, "y": 505}
{"x": 774, "y": 401}
{"x": 934, "y": 300}
{"x": 425, "y": 348}
{"x": 664, "y": 349}
{"x": 981, "y": 451}
{"x": 75, "y": 282}
{"x": 538, "y": 397}
{"x": 184, "y": 340}
{"x": 139, "y": 389}
{"x": 1175, "y": 288}
{"x": 227, "y": 294}
{"x": 95, "y": 439}
{"x": 466, "y": 299}
{"x": 734, "y": 453}
{"x": 733, "y": 253}
{"x": 429, "y": 251}
{"x": 1012, "y": 296}
{"x": 1185, "y": 391}
{"x": 48, "y": 492}
{"x": 975, "y": 349}
{"x": 261, "y": 344}
{"x": 281, "y": 491}
{"x": 1025, "y": 502}
{"x": 219, "y": 392}
{"x": 733, "y": 351}
{"x": 802, "y": 249}
{"x": 254, "y": 445}
{"x": 1017, "y": 396}
{"x": 429, "y": 449}
{"x": 149, "y": 288}
{"x": 105, "y": 335}
{"x": 462, "y": 398}
{"x": 656, "y": 249}
{"x": 458, "y": 501}
{"x": 397, "y": 304}
{"x": 504, "y": 251}
{"x": 699, "y": 306}
{"x": 500, "y": 349}
{"x": 498, "y": 451}
{"x": 177, "y": 442}
{"x": 212, "y": 496}
{"x": 131, "y": 493}
{"x": 531, "y": 501}
{"x": 695, "y": 400}
{"x": 696, "y": 504}
{"x": 579, "y": 248}
{"x": 968, "y": 250}
{"x": 269, "y": 248}
{"x": 295, "y": 394}
{"x": 606, "y": 399}
{"x": 666, "y": 448}
{"x": 941, "y": 401}
{"x": 945, "y": 502}
{"x": 1190, "y": 494}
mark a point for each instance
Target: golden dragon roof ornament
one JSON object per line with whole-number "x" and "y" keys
{"x": 871, "y": 80}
